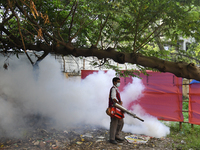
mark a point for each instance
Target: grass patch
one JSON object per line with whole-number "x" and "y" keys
{"x": 187, "y": 138}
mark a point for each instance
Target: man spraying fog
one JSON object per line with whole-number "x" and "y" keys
{"x": 116, "y": 123}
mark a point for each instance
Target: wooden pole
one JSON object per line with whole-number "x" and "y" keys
{"x": 83, "y": 63}
{"x": 180, "y": 125}
{"x": 192, "y": 126}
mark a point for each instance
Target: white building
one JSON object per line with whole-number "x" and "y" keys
{"x": 73, "y": 65}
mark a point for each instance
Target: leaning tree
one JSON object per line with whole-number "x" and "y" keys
{"x": 126, "y": 31}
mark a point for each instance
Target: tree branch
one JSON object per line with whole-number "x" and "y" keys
{"x": 102, "y": 26}
{"x": 44, "y": 31}
{"x": 136, "y": 28}
{"x": 180, "y": 69}
{"x": 67, "y": 15}
{"x": 186, "y": 56}
{"x": 24, "y": 47}
{"x": 15, "y": 40}
{"x": 145, "y": 41}
{"x": 42, "y": 57}
{"x": 72, "y": 22}
{"x": 82, "y": 26}
{"x": 6, "y": 20}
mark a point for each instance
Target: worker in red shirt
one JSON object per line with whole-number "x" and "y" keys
{"x": 116, "y": 124}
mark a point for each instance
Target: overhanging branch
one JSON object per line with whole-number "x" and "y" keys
{"x": 180, "y": 69}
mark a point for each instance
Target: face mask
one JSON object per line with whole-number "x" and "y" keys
{"x": 118, "y": 84}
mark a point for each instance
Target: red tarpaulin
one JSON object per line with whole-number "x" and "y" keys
{"x": 162, "y": 95}
{"x": 194, "y": 103}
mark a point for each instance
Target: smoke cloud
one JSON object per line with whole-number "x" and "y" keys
{"x": 46, "y": 91}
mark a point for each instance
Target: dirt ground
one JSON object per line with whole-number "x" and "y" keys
{"x": 77, "y": 138}
{"x": 40, "y": 135}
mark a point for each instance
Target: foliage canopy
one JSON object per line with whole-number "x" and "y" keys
{"x": 132, "y": 31}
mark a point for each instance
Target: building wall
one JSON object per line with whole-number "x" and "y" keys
{"x": 73, "y": 65}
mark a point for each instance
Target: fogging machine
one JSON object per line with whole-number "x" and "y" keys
{"x": 127, "y": 111}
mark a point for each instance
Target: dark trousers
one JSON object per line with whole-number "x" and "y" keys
{"x": 116, "y": 126}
